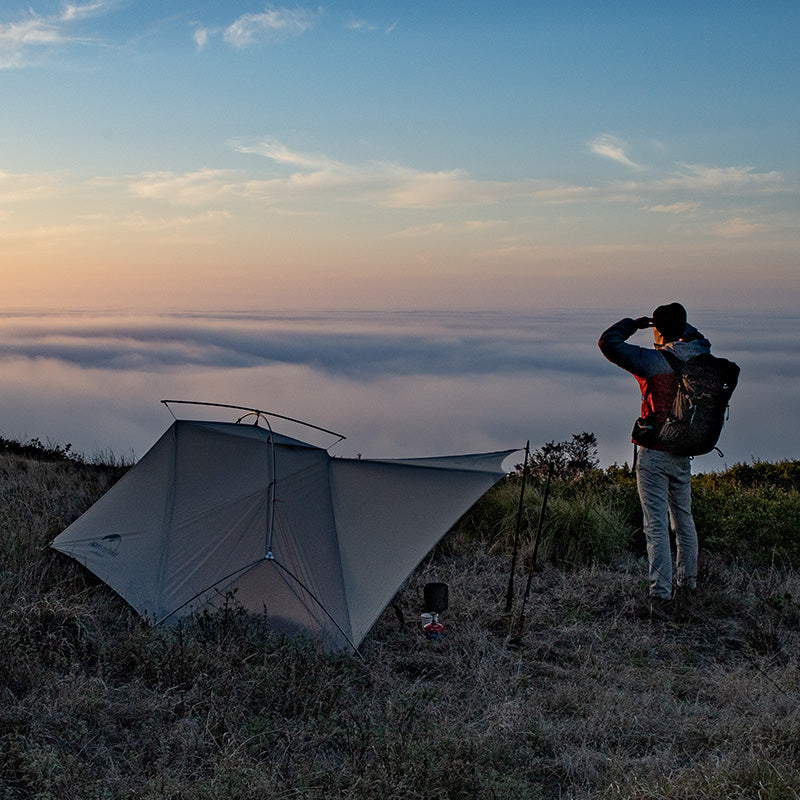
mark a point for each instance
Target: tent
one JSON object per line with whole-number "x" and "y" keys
{"x": 220, "y": 512}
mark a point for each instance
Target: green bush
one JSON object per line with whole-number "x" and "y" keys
{"x": 750, "y": 511}
{"x": 779, "y": 474}
{"x": 583, "y": 528}
{"x": 755, "y": 520}
{"x": 585, "y": 521}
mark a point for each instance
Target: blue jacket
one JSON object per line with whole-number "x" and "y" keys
{"x": 651, "y": 369}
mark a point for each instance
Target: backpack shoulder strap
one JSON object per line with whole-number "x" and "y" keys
{"x": 673, "y": 360}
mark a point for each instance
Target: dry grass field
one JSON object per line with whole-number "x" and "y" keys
{"x": 594, "y": 700}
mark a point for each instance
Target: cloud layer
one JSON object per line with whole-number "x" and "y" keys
{"x": 403, "y": 384}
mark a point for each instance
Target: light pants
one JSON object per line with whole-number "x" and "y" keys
{"x": 665, "y": 491}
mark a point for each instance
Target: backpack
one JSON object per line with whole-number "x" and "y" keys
{"x": 705, "y": 386}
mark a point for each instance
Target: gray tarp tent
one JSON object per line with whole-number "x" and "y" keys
{"x": 216, "y": 511}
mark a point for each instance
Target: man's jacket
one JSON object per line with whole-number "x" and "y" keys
{"x": 651, "y": 369}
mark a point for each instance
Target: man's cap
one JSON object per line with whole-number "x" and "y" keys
{"x": 670, "y": 320}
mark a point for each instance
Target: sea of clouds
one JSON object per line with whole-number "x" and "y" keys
{"x": 396, "y": 384}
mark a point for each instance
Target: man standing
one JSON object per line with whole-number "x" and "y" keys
{"x": 663, "y": 479}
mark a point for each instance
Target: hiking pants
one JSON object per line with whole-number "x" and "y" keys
{"x": 665, "y": 491}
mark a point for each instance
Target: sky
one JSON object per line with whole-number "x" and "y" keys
{"x": 393, "y": 156}
{"x": 408, "y": 222}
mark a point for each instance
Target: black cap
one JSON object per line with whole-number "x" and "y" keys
{"x": 670, "y": 321}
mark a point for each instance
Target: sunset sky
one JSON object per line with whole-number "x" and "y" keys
{"x": 204, "y": 155}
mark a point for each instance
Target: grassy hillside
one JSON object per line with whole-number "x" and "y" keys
{"x": 594, "y": 701}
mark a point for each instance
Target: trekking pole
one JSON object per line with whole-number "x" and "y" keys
{"x": 516, "y": 638}
{"x": 510, "y": 591}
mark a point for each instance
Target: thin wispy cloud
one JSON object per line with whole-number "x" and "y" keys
{"x": 34, "y": 33}
{"x": 18, "y": 39}
{"x": 46, "y": 237}
{"x": 272, "y": 24}
{"x": 611, "y": 147}
{"x": 360, "y": 25}
{"x": 292, "y": 181}
{"x": 200, "y": 37}
{"x": 78, "y": 11}
{"x": 740, "y": 228}
{"x": 419, "y": 230}
{"x": 437, "y": 228}
{"x": 682, "y": 187}
{"x": 302, "y": 175}
{"x": 674, "y": 208}
{"x": 702, "y": 178}
{"x": 15, "y": 188}
{"x": 273, "y": 177}
{"x": 395, "y": 185}
{"x": 191, "y": 188}
{"x": 308, "y": 176}
{"x": 281, "y": 154}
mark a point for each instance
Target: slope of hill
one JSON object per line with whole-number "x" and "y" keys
{"x": 595, "y": 700}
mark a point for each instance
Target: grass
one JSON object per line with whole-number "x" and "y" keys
{"x": 593, "y": 700}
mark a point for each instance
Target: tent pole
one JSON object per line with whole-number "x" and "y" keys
{"x": 271, "y": 493}
{"x": 341, "y": 437}
{"x": 319, "y": 603}
{"x": 227, "y": 577}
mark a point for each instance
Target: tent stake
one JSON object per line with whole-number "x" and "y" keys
{"x": 510, "y": 591}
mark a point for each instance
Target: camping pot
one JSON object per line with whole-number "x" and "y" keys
{"x": 435, "y": 596}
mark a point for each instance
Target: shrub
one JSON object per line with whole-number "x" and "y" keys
{"x": 586, "y": 520}
{"x": 583, "y": 527}
{"x": 784, "y": 475}
{"x": 568, "y": 460}
{"x": 756, "y": 523}
{"x": 748, "y": 511}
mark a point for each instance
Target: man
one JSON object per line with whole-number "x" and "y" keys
{"x": 663, "y": 479}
